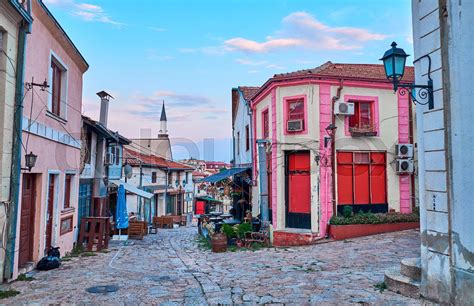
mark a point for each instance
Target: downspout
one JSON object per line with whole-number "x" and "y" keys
{"x": 411, "y": 140}
{"x": 333, "y": 154}
{"x": 16, "y": 154}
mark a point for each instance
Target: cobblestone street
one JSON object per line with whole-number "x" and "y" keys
{"x": 170, "y": 267}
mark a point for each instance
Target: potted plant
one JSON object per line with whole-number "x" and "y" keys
{"x": 218, "y": 240}
{"x": 230, "y": 233}
{"x": 241, "y": 230}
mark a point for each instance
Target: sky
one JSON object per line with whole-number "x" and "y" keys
{"x": 191, "y": 53}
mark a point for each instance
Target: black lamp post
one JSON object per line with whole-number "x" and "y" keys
{"x": 394, "y": 61}
{"x": 30, "y": 161}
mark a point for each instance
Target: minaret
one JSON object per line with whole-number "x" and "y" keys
{"x": 163, "y": 123}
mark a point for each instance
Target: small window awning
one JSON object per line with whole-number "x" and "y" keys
{"x": 223, "y": 175}
{"x": 208, "y": 199}
{"x": 132, "y": 189}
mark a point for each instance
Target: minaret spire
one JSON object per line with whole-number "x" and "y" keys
{"x": 163, "y": 122}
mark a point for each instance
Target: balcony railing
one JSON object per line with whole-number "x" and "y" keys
{"x": 363, "y": 130}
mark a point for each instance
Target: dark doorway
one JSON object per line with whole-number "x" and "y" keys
{"x": 50, "y": 212}
{"x": 298, "y": 190}
{"x": 27, "y": 221}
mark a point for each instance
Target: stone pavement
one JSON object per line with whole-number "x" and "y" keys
{"x": 170, "y": 267}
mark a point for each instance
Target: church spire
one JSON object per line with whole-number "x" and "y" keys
{"x": 163, "y": 123}
{"x": 163, "y": 112}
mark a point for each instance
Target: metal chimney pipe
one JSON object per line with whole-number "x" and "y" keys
{"x": 104, "y": 107}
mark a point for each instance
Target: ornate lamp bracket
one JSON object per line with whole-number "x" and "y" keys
{"x": 420, "y": 94}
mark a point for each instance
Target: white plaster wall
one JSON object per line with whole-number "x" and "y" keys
{"x": 242, "y": 119}
{"x": 386, "y": 141}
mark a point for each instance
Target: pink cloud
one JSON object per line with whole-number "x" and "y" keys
{"x": 302, "y": 30}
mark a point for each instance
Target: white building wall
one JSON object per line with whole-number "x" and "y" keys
{"x": 443, "y": 29}
{"x": 242, "y": 119}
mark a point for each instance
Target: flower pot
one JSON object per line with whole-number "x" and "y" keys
{"x": 219, "y": 243}
{"x": 239, "y": 243}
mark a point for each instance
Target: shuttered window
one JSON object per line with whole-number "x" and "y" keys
{"x": 361, "y": 178}
{"x": 56, "y": 89}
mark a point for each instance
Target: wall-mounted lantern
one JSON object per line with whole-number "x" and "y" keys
{"x": 394, "y": 61}
{"x": 30, "y": 161}
{"x": 331, "y": 131}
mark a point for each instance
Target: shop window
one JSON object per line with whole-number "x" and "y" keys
{"x": 361, "y": 178}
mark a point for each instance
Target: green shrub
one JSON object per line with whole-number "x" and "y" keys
{"x": 347, "y": 211}
{"x": 229, "y": 231}
{"x": 4, "y": 294}
{"x": 242, "y": 229}
{"x": 371, "y": 218}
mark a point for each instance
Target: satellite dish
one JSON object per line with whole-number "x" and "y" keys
{"x": 128, "y": 171}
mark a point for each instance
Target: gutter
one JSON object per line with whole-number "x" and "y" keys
{"x": 12, "y": 214}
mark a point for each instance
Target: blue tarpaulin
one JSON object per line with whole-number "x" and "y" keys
{"x": 121, "y": 215}
{"x": 222, "y": 175}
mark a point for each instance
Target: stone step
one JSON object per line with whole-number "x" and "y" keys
{"x": 401, "y": 284}
{"x": 27, "y": 267}
{"x": 411, "y": 267}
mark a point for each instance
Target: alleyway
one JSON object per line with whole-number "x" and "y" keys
{"x": 171, "y": 267}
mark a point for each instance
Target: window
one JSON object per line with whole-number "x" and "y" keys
{"x": 88, "y": 147}
{"x": 361, "y": 178}
{"x": 117, "y": 155}
{"x": 295, "y": 114}
{"x": 247, "y": 138}
{"x": 153, "y": 177}
{"x": 265, "y": 124}
{"x": 56, "y": 88}
{"x": 238, "y": 143}
{"x": 187, "y": 177}
{"x": 67, "y": 191}
{"x": 170, "y": 178}
{"x": 363, "y": 118}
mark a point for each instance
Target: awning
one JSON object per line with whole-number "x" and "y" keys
{"x": 208, "y": 199}
{"x": 132, "y": 189}
{"x": 222, "y": 175}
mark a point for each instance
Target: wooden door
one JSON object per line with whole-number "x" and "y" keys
{"x": 27, "y": 219}
{"x": 298, "y": 190}
{"x": 49, "y": 213}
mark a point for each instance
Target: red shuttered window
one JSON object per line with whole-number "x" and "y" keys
{"x": 67, "y": 191}
{"x": 363, "y": 118}
{"x": 295, "y": 111}
{"x": 361, "y": 178}
{"x": 56, "y": 89}
{"x": 265, "y": 124}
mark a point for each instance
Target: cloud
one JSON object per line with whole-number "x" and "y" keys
{"x": 187, "y": 50}
{"x": 86, "y": 11}
{"x": 250, "y": 62}
{"x": 156, "y": 29}
{"x": 302, "y": 30}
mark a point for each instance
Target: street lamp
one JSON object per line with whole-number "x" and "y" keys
{"x": 30, "y": 161}
{"x": 331, "y": 131}
{"x": 394, "y": 61}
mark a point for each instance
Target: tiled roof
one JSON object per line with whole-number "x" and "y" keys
{"x": 100, "y": 128}
{"x": 248, "y": 91}
{"x": 367, "y": 72}
{"x": 134, "y": 158}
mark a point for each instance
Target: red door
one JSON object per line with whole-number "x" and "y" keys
{"x": 49, "y": 216}
{"x": 27, "y": 220}
{"x": 298, "y": 186}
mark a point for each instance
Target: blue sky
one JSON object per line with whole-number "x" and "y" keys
{"x": 190, "y": 53}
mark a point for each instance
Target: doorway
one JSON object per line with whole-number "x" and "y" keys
{"x": 27, "y": 219}
{"x": 50, "y": 212}
{"x": 298, "y": 190}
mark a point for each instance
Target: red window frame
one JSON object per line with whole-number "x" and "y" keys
{"x": 362, "y": 177}
{"x": 67, "y": 191}
{"x": 265, "y": 124}
{"x": 363, "y": 118}
{"x": 297, "y": 113}
{"x": 56, "y": 89}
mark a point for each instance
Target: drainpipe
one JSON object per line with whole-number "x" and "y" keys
{"x": 12, "y": 213}
{"x": 411, "y": 140}
{"x": 333, "y": 154}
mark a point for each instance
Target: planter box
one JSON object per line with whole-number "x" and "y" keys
{"x": 341, "y": 232}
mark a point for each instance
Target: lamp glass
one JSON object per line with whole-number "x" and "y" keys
{"x": 30, "y": 160}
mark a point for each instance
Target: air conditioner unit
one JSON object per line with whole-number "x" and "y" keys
{"x": 344, "y": 108}
{"x": 405, "y": 166}
{"x": 404, "y": 150}
{"x": 294, "y": 125}
{"x": 109, "y": 158}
